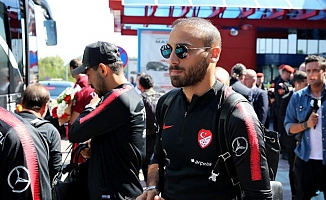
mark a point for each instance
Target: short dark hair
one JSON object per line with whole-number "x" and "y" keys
{"x": 204, "y": 29}
{"x": 299, "y": 76}
{"x": 238, "y": 70}
{"x": 314, "y": 58}
{"x": 146, "y": 81}
{"x": 74, "y": 63}
{"x": 35, "y": 97}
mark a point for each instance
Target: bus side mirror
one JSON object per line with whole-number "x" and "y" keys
{"x": 51, "y": 32}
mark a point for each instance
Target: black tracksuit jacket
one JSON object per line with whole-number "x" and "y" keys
{"x": 117, "y": 130}
{"x": 52, "y": 136}
{"x": 24, "y": 155}
{"x": 189, "y": 141}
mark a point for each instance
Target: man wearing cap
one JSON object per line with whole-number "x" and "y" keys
{"x": 260, "y": 81}
{"x": 271, "y": 96}
{"x": 115, "y": 125}
{"x": 282, "y": 87}
{"x": 299, "y": 81}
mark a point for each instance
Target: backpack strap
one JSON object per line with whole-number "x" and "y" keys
{"x": 168, "y": 101}
{"x": 37, "y": 122}
{"x": 164, "y": 108}
{"x": 226, "y": 110}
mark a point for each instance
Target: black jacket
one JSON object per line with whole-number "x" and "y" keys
{"x": 117, "y": 130}
{"x": 52, "y": 136}
{"x": 288, "y": 141}
{"x": 189, "y": 141}
{"x": 260, "y": 103}
{"x": 241, "y": 89}
{"x": 24, "y": 158}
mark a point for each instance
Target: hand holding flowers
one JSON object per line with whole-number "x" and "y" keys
{"x": 62, "y": 106}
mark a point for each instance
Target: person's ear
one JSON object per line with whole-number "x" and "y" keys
{"x": 215, "y": 52}
{"x": 104, "y": 69}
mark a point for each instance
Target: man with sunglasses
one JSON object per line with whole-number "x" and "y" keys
{"x": 188, "y": 141}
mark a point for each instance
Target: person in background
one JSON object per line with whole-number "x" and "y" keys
{"x": 238, "y": 73}
{"x": 260, "y": 81}
{"x": 302, "y": 67}
{"x": 85, "y": 93}
{"x": 132, "y": 81}
{"x": 222, "y": 75}
{"x": 289, "y": 142}
{"x": 307, "y": 123}
{"x": 271, "y": 95}
{"x": 150, "y": 98}
{"x": 34, "y": 107}
{"x": 24, "y": 171}
{"x": 259, "y": 96}
{"x": 260, "y": 84}
{"x": 282, "y": 87}
{"x": 115, "y": 123}
{"x": 137, "y": 82}
{"x": 188, "y": 130}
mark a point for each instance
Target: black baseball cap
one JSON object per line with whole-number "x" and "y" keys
{"x": 96, "y": 53}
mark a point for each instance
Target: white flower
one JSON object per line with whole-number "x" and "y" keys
{"x": 61, "y": 108}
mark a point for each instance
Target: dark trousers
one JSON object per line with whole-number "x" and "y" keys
{"x": 150, "y": 143}
{"x": 291, "y": 156}
{"x": 309, "y": 177}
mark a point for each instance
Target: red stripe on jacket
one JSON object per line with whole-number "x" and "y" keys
{"x": 253, "y": 143}
{"x": 115, "y": 94}
{"x": 28, "y": 148}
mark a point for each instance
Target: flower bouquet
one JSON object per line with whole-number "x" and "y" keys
{"x": 61, "y": 108}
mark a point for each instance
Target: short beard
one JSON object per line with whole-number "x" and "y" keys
{"x": 102, "y": 90}
{"x": 192, "y": 76}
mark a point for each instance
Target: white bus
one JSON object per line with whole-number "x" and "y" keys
{"x": 18, "y": 47}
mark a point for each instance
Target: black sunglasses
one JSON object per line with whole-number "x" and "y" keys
{"x": 180, "y": 50}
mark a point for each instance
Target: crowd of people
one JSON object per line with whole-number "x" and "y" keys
{"x": 172, "y": 137}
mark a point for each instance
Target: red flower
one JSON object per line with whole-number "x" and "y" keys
{"x": 67, "y": 98}
{"x": 64, "y": 116}
{"x": 54, "y": 112}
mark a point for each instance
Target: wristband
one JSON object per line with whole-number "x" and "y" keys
{"x": 305, "y": 125}
{"x": 150, "y": 188}
{"x": 90, "y": 106}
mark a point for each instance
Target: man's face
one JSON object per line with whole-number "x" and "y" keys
{"x": 315, "y": 76}
{"x": 96, "y": 81}
{"x": 242, "y": 78}
{"x": 192, "y": 69}
{"x": 248, "y": 81}
{"x": 260, "y": 80}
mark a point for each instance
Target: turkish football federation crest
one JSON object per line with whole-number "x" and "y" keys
{"x": 204, "y": 138}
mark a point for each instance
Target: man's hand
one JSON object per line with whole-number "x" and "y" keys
{"x": 313, "y": 120}
{"x": 95, "y": 100}
{"x": 149, "y": 195}
{"x": 86, "y": 153}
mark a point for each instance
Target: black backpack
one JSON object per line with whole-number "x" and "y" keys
{"x": 271, "y": 139}
{"x": 150, "y": 102}
{"x": 272, "y": 146}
